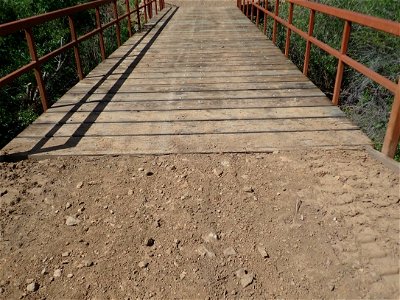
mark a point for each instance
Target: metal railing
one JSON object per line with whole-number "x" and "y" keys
{"x": 36, "y": 62}
{"x": 249, "y": 6}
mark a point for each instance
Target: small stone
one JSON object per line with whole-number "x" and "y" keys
{"x": 229, "y": 251}
{"x": 246, "y": 280}
{"x": 143, "y": 264}
{"x": 248, "y": 189}
{"x": 71, "y": 221}
{"x": 32, "y": 287}
{"x": 130, "y": 192}
{"x": 87, "y": 263}
{"x": 44, "y": 271}
{"x": 172, "y": 168}
{"x": 157, "y": 223}
{"x": 218, "y": 172}
{"x": 241, "y": 272}
{"x": 331, "y": 287}
{"x": 203, "y": 251}
{"x": 57, "y": 273}
{"x": 65, "y": 254}
{"x": 79, "y": 185}
{"x": 262, "y": 251}
{"x": 183, "y": 275}
{"x": 149, "y": 242}
{"x": 68, "y": 205}
{"x": 211, "y": 237}
{"x": 2, "y": 290}
{"x": 70, "y": 275}
{"x": 141, "y": 169}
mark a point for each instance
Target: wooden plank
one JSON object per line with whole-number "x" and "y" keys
{"x": 249, "y": 142}
{"x": 128, "y": 105}
{"x": 187, "y": 128}
{"x": 193, "y": 115}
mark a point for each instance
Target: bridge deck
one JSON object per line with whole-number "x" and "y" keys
{"x": 202, "y": 79}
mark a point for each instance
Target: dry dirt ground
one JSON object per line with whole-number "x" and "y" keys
{"x": 282, "y": 225}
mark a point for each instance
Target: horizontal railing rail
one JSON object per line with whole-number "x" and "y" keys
{"x": 349, "y": 17}
{"x": 36, "y": 62}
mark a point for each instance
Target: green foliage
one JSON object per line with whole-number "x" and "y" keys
{"x": 19, "y": 101}
{"x": 365, "y": 102}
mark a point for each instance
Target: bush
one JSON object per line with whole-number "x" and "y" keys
{"x": 365, "y": 102}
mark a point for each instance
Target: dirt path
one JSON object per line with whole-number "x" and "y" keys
{"x": 282, "y": 225}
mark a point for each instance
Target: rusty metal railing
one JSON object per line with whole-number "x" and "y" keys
{"x": 249, "y": 6}
{"x": 36, "y": 62}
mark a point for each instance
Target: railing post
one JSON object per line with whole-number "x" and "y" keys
{"x": 138, "y": 15}
{"x": 340, "y": 68}
{"x": 150, "y": 8}
{"x": 258, "y": 15}
{"x": 37, "y": 70}
{"x": 74, "y": 39}
{"x": 247, "y": 8}
{"x": 101, "y": 37}
{"x": 392, "y": 135}
{"x": 117, "y": 25}
{"x": 145, "y": 10}
{"x": 289, "y": 31}
{"x": 308, "y": 44}
{"x": 128, "y": 10}
{"x": 265, "y": 16}
{"x": 252, "y": 11}
{"x": 275, "y": 28}
{"x": 155, "y": 4}
{"x": 243, "y": 5}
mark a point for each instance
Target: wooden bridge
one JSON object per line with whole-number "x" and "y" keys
{"x": 200, "y": 79}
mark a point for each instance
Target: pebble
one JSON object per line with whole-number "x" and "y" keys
{"x": 87, "y": 263}
{"x": 149, "y": 242}
{"x": 211, "y": 237}
{"x": 65, "y": 254}
{"x": 130, "y": 192}
{"x": 203, "y": 251}
{"x": 262, "y": 251}
{"x": 32, "y": 287}
{"x": 229, "y": 251}
{"x": 157, "y": 223}
{"x": 71, "y": 221}
{"x": 183, "y": 275}
{"x": 248, "y": 189}
{"x": 171, "y": 168}
{"x": 79, "y": 185}
{"x": 57, "y": 273}
{"x": 70, "y": 275}
{"x": 2, "y": 290}
{"x": 44, "y": 271}
{"x": 141, "y": 169}
{"x": 218, "y": 172}
{"x": 143, "y": 264}
{"x": 246, "y": 280}
{"x": 68, "y": 205}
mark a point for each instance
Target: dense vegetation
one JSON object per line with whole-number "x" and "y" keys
{"x": 19, "y": 101}
{"x": 364, "y": 101}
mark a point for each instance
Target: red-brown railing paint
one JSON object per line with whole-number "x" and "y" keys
{"x": 36, "y": 62}
{"x": 393, "y": 130}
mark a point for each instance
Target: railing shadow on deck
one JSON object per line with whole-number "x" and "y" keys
{"x": 102, "y": 104}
